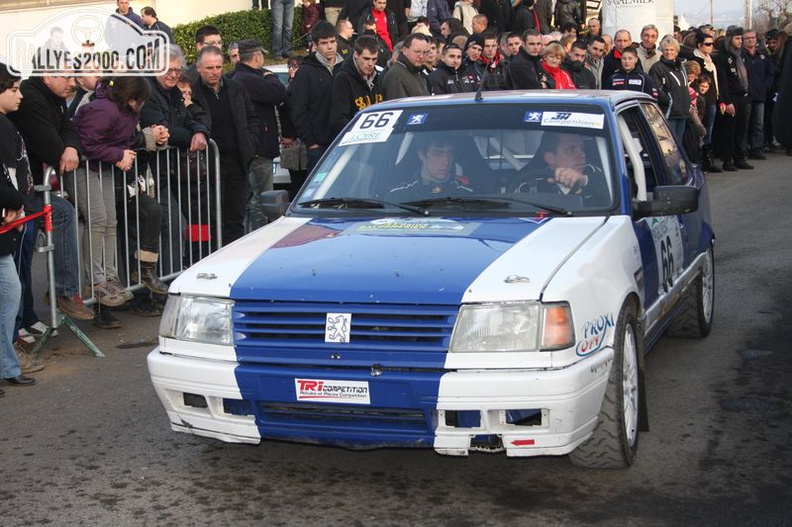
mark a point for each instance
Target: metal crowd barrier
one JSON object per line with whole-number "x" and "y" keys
{"x": 186, "y": 187}
{"x": 175, "y": 179}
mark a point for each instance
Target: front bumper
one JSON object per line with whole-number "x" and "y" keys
{"x": 522, "y": 412}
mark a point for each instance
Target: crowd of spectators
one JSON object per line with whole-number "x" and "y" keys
{"x": 717, "y": 89}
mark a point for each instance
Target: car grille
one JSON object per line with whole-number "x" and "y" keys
{"x": 374, "y": 327}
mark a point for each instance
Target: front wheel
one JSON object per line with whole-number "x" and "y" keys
{"x": 614, "y": 441}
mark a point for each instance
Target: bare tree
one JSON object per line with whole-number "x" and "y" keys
{"x": 778, "y": 12}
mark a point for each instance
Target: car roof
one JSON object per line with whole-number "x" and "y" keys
{"x": 603, "y": 98}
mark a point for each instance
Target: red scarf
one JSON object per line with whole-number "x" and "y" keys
{"x": 562, "y": 79}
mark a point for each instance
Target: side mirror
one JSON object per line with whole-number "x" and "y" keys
{"x": 668, "y": 200}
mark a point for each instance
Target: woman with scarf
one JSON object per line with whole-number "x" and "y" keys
{"x": 731, "y": 120}
{"x": 551, "y": 62}
{"x": 704, "y": 44}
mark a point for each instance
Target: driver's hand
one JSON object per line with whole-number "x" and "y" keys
{"x": 569, "y": 177}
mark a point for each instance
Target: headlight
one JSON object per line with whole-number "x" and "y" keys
{"x": 517, "y": 326}
{"x": 197, "y": 318}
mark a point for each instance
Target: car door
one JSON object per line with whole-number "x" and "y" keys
{"x": 664, "y": 241}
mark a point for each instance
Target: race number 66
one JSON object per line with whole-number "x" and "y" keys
{"x": 378, "y": 120}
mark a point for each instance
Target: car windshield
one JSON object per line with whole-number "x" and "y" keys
{"x": 479, "y": 159}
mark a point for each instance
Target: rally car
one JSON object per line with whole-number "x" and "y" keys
{"x": 462, "y": 273}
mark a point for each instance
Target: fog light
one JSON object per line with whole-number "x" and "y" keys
{"x": 195, "y": 400}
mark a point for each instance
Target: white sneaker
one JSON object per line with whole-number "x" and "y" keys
{"x": 39, "y": 328}
{"x": 26, "y": 337}
{"x": 120, "y": 289}
{"x": 106, "y": 294}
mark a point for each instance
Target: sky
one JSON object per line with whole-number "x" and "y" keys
{"x": 725, "y": 12}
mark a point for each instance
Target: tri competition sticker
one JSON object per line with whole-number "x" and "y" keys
{"x": 330, "y": 391}
{"x": 574, "y": 119}
{"x": 374, "y": 127}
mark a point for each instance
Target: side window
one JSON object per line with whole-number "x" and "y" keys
{"x": 638, "y": 141}
{"x": 676, "y": 168}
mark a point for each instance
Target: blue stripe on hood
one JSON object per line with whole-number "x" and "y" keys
{"x": 390, "y": 260}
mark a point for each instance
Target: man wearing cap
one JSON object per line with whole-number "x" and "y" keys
{"x": 471, "y": 64}
{"x": 525, "y": 71}
{"x": 266, "y": 93}
{"x": 404, "y": 78}
{"x": 731, "y": 122}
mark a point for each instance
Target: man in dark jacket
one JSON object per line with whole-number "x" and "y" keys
{"x": 731, "y": 124}
{"x": 235, "y": 128}
{"x": 760, "y": 83}
{"x": 525, "y": 70}
{"x": 43, "y": 123}
{"x": 437, "y": 11}
{"x": 152, "y": 23}
{"x": 574, "y": 64}
{"x": 450, "y": 76}
{"x": 569, "y": 12}
{"x": 404, "y": 78}
{"x": 356, "y": 85}
{"x": 311, "y": 93}
{"x": 493, "y": 75}
{"x": 266, "y": 92}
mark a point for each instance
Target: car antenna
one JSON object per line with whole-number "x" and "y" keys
{"x": 491, "y": 65}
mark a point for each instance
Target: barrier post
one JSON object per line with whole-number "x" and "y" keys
{"x": 58, "y": 319}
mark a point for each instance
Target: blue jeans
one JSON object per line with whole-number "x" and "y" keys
{"x": 24, "y": 262}
{"x": 11, "y": 293}
{"x": 259, "y": 180}
{"x": 282, "y": 18}
{"x": 678, "y": 128}
{"x": 756, "y": 132}
{"x": 64, "y": 237}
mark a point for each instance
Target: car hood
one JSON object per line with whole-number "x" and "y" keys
{"x": 391, "y": 260}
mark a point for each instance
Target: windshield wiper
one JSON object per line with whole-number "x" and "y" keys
{"x": 481, "y": 203}
{"x": 360, "y": 203}
{"x": 549, "y": 208}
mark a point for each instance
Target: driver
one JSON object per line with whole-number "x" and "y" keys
{"x": 435, "y": 179}
{"x": 559, "y": 167}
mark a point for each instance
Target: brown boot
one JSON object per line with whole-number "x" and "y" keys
{"x": 149, "y": 278}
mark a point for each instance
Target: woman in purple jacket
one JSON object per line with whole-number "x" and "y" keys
{"x": 107, "y": 127}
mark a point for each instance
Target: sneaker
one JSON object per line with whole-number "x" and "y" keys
{"x": 26, "y": 337}
{"x": 39, "y": 328}
{"x": 28, "y": 362}
{"x": 120, "y": 289}
{"x": 729, "y": 167}
{"x": 106, "y": 294}
{"x": 72, "y": 307}
{"x": 104, "y": 319}
{"x": 743, "y": 165}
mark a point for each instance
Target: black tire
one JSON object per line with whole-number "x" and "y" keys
{"x": 614, "y": 441}
{"x": 694, "y": 318}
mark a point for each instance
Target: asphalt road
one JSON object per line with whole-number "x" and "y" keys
{"x": 91, "y": 445}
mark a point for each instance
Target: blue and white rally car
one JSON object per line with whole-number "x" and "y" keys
{"x": 460, "y": 273}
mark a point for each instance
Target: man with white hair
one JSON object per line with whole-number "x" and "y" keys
{"x": 647, "y": 49}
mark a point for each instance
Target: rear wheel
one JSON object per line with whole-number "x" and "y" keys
{"x": 614, "y": 442}
{"x": 694, "y": 319}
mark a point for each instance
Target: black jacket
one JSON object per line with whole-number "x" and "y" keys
{"x": 612, "y": 62}
{"x": 266, "y": 92}
{"x": 445, "y": 79}
{"x": 673, "y": 95}
{"x": 525, "y": 72}
{"x": 730, "y": 88}
{"x": 761, "y": 75}
{"x": 246, "y": 123}
{"x": 351, "y": 93}
{"x": 568, "y": 11}
{"x": 43, "y": 122}
{"x": 581, "y": 75}
{"x": 310, "y": 103}
{"x": 166, "y": 107}
{"x": 10, "y": 197}
{"x": 634, "y": 80}
{"x": 782, "y": 124}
